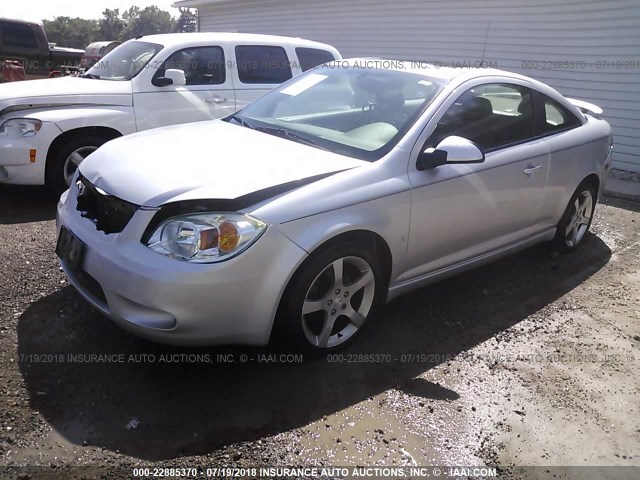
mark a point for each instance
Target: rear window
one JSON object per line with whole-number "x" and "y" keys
{"x": 312, "y": 57}
{"x": 18, "y": 35}
{"x": 557, "y": 117}
{"x": 262, "y": 64}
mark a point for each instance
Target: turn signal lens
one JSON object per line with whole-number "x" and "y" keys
{"x": 229, "y": 237}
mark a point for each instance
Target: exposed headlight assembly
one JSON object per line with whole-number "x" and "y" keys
{"x": 206, "y": 237}
{"x": 20, "y": 127}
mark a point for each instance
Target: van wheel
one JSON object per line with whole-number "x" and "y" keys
{"x": 576, "y": 220}
{"x": 65, "y": 161}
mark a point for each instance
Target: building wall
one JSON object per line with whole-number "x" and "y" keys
{"x": 533, "y": 37}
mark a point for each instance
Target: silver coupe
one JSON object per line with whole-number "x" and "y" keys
{"x": 336, "y": 192}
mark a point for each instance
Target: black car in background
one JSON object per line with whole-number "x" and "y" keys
{"x": 24, "y": 44}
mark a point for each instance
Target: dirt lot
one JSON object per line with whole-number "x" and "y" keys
{"x": 533, "y": 360}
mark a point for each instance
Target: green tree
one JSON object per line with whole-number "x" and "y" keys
{"x": 71, "y": 32}
{"x": 186, "y": 22}
{"x": 111, "y": 25}
{"x": 78, "y": 32}
{"x": 147, "y": 21}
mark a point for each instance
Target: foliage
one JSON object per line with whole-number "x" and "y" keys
{"x": 186, "y": 22}
{"x": 111, "y": 25}
{"x": 147, "y": 21}
{"x": 79, "y": 32}
{"x": 71, "y": 32}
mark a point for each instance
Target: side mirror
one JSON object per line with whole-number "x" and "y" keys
{"x": 450, "y": 150}
{"x": 173, "y": 76}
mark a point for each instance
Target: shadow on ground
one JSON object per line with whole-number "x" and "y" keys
{"x": 23, "y": 204}
{"x": 194, "y": 408}
{"x": 630, "y": 205}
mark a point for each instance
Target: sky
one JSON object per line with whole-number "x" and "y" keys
{"x": 37, "y": 10}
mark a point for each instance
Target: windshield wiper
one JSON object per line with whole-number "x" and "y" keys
{"x": 90, "y": 75}
{"x": 240, "y": 120}
{"x": 284, "y": 133}
{"x": 277, "y": 131}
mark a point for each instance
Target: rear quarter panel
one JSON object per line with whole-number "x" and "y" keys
{"x": 575, "y": 155}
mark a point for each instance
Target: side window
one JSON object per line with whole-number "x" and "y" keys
{"x": 312, "y": 57}
{"x": 201, "y": 65}
{"x": 262, "y": 64}
{"x": 492, "y": 116}
{"x": 18, "y": 35}
{"x": 557, "y": 117}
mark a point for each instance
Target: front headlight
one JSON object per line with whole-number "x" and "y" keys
{"x": 20, "y": 127}
{"x": 206, "y": 237}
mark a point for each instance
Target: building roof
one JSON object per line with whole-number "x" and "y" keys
{"x": 195, "y": 3}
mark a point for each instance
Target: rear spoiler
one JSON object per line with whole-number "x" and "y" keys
{"x": 586, "y": 107}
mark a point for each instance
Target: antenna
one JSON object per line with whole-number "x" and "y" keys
{"x": 486, "y": 39}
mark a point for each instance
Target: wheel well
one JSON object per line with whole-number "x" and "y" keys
{"x": 594, "y": 181}
{"x": 369, "y": 239}
{"x": 104, "y": 132}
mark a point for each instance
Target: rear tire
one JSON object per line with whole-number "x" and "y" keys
{"x": 331, "y": 298}
{"x": 576, "y": 220}
{"x": 64, "y": 163}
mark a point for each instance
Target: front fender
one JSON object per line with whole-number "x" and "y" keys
{"x": 119, "y": 118}
{"x": 387, "y": 217}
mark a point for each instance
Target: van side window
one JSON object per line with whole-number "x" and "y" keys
{"x": 18, "y": 35}
{"x": 201, "y": 65}
{"x": 557, "y": 117}
{"x": 262, "y": 64}
{"x": 312, "y": 57}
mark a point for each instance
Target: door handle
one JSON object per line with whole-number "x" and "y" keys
{"x": 216, "y": 100}
{"x": 532, "y": 169}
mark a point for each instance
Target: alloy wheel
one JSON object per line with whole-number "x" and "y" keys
{"x": 580, "y": 218}
{"x": 338, "y": 301}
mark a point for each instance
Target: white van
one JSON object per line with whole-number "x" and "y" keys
{"x": 47, "y": 127}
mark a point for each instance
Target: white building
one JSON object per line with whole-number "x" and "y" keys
{"x": 586, "y": 49}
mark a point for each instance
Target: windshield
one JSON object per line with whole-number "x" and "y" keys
{"x": 125, "y": 61}
{"x": 358, "y": 112}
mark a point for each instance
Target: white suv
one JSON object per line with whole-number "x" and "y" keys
{"x": 47, "y": 127}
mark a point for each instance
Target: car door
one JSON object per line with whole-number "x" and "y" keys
{"x": 208, "y": 93}
{"x": 462, "y": 211}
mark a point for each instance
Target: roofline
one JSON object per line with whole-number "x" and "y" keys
{"x": 172, "y": 39}
{"x": 23, "y": 22}
{"x": 196, "y": 3}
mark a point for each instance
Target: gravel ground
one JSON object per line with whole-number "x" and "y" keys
{"x": 532, "y": 360}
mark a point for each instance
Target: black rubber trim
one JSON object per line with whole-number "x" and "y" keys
{"x": 186, "y": 207}
{"x": 110, "y": 214}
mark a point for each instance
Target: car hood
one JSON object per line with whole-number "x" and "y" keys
{"x": 205, "y": 160}
{"x": 63, "y": 91}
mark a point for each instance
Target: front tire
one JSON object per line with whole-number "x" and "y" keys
{"x": 576, "y": 220}
{"x": 65, "y": 161}
{"x": 331, "y": 297}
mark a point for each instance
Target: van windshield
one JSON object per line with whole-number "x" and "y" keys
{"x": 124, "y": 62}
